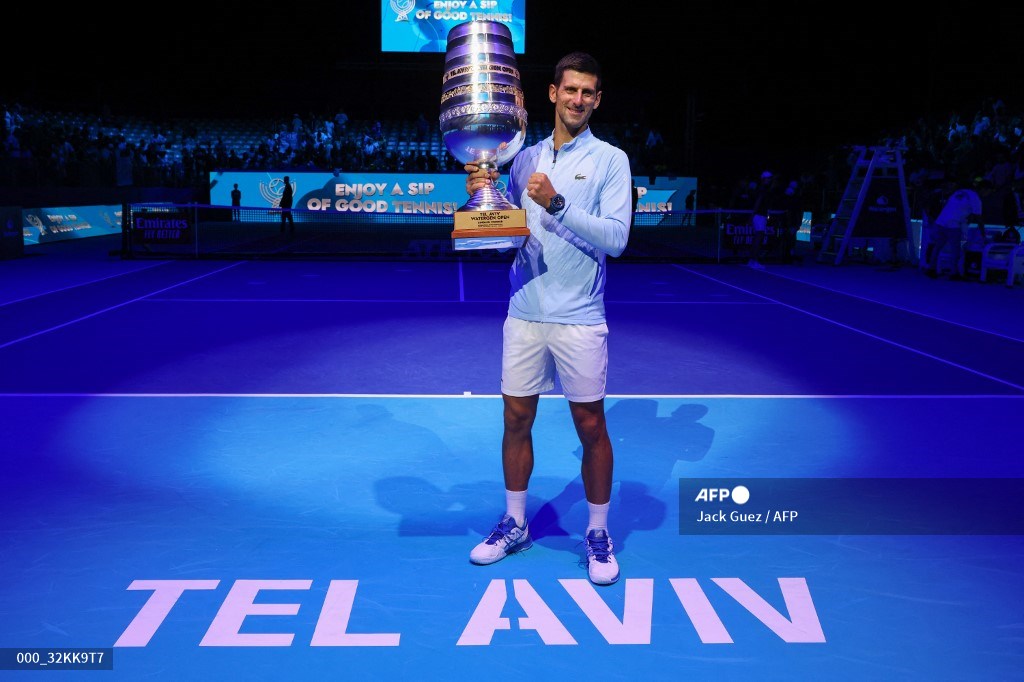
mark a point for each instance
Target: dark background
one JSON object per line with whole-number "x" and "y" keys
{"x": 773, "y": 83}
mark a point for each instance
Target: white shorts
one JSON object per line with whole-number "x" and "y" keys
{"x": 533, "y": 351}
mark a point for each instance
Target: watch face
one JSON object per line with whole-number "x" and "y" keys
{"x": 557, "y": 204}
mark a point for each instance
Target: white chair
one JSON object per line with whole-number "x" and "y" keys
{"x": 1016, "y": 270}
{"x": 1008, "y": 257}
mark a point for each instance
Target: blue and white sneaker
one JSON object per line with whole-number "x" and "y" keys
{"x": 506, "y": 538}
{"x": 602, "y": 567}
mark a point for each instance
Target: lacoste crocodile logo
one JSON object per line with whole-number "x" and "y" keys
{"x": 580, "y": 176}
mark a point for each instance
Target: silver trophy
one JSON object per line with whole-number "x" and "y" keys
{"x": 483, "y": 122}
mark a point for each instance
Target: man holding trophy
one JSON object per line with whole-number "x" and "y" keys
{"x": 576, "y": 191}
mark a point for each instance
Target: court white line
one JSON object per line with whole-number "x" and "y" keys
{"x": 858, "y": 331}
{"x": 314, "y": 300}
{"x": 896, "y": 307}
{"x": 161, "y": 299}
{"x": 113, "y": 307}
{"x": 82, "y": 284}
{"x": 617, "y": 396}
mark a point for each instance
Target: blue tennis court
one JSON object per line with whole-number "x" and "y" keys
{"x": 276, "y": 469}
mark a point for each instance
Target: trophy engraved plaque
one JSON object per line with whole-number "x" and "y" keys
{"x": 483, "y": 122}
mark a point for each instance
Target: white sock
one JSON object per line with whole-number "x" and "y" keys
{"x": 515, "y": 505}
{"x": 598, "y": 516}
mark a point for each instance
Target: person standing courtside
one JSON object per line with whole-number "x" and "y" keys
{"x": 690, "y": 202}
{"x": 960, "y": 209}
{"x": 577, "y": 192}
{"x": 236, "y": 201}
{"x": 763, "y": 197}
{"x": 286, "y": 205}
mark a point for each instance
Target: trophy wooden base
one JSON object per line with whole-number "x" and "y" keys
{"x": 499, "y": 229}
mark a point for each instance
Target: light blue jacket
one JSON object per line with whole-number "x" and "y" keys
{"x": 559, "y": 272}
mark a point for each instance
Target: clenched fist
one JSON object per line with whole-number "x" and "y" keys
{"x": 540, "y": 189}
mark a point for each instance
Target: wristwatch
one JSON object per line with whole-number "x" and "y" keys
{"x": 557, "y": 204}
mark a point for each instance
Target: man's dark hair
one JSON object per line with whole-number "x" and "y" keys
{"x": 577, "y": 61}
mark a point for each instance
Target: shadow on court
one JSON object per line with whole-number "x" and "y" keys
{"x": 647, "y": 448}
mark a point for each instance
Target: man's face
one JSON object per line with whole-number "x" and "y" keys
{"x": 575, "y": 98}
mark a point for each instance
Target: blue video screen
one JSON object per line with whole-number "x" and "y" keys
{"x": 57, "y": 223}
{"x": 423, "y": 25}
